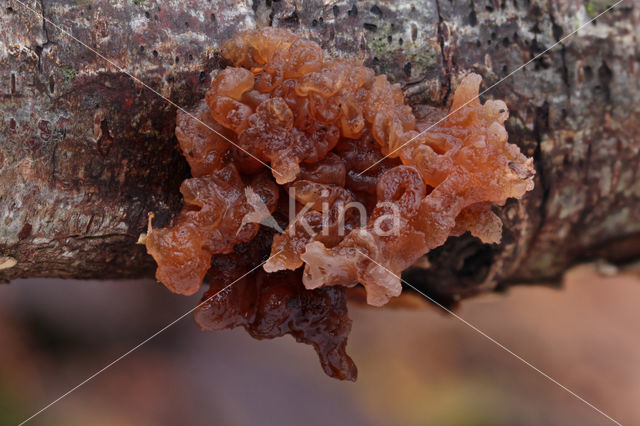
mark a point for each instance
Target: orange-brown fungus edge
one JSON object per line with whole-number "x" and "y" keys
{"x": 335, "y": 133}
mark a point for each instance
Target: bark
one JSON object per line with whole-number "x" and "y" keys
{"x": 86, "y": 152}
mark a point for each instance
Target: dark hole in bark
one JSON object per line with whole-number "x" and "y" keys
{"x": 370, "y": 27}
{"x": 473, "y": 18}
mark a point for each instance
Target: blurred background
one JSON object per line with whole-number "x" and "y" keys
{"x": 416, "y": 367}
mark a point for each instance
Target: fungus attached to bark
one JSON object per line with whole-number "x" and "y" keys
{"x": 372, "y": 188}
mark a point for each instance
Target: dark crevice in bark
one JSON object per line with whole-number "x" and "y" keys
{"x": 442, "y": 34}
{"x": 541, "y": 127}
{"x": 473, "y": 18}
{"x": 565, "y": 72}
{"x": 557, "y": 33}
{"x": 44, "y": 23}
{"x": 605, "y": 75}
{"x": 39, "y": 49}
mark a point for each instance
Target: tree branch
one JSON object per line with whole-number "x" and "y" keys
{"x": 87, "y": 152}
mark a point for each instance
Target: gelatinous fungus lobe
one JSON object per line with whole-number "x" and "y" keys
{"x": 360, "y": 187}
{"x": 270, "y": 305}
{"x": 464, "y": 163}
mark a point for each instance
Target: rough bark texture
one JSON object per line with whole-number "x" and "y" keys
{"x": 86, "y": 152}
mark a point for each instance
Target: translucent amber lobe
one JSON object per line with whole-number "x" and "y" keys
{"x": 323, "y": 216}
{"x": 373, "y": 187}
{"x": 203, "y": 148}
{"x": 272, "y": 305}
{"x": 375, "y": 254}
{"x": 466, "y": 163}
{"x": 210, "y": 222}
